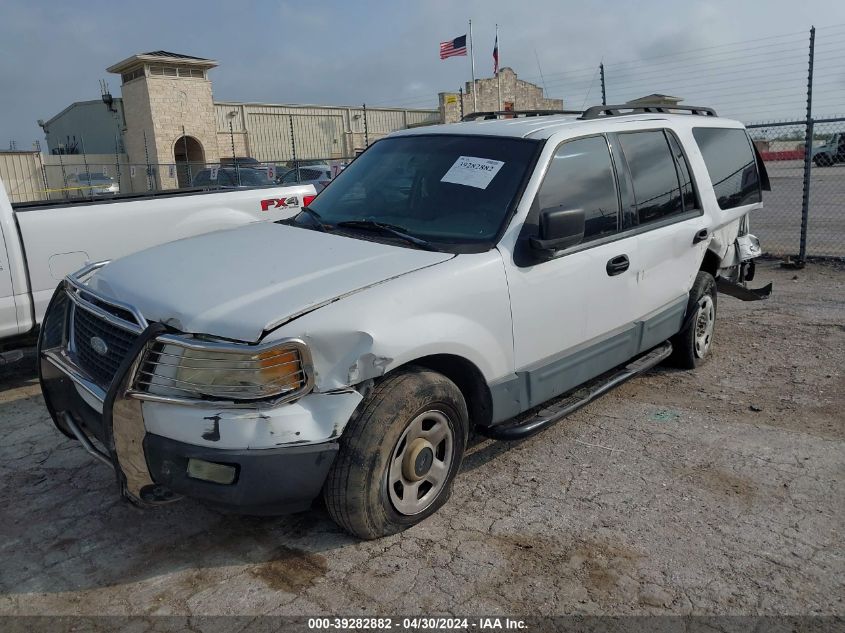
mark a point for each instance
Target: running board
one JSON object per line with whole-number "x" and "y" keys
{"x": 13, "y": 356}
{"x": 741, "y": 292}
{"x": 581, "y": 396}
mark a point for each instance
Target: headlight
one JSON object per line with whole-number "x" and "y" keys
{"x": 185, "y": 368}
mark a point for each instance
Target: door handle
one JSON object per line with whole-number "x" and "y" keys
{"x": 617, "y": 265}
{"x": 700, "y": 236}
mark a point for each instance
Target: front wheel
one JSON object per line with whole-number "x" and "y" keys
{"x": 823, "y": 160}
{"x": 398, "y": 455}
{"x": 690, "y": 346}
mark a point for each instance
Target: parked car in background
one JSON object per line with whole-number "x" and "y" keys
{"x": 318, "y": 175}
{"x": 232, "y": 178}
{"x": 240, "y": 161}
{"x": 349, "y": 350}
{"x": 93, "y": 184}
{"x": 831, "y": 152}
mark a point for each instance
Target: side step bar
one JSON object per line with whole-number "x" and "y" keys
{"x": 741, "y": 292}
{"x": 575, "y": 400}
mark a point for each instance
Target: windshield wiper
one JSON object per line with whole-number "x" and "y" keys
{"x": 390, "y": 229}
{"x": 315, "y": 217}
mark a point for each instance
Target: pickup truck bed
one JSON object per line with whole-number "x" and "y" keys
{"x": 40, "y": 243}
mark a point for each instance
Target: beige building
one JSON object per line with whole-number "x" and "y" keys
{"x": 167, "y": 117}
{"x": 505, "y": 92}
{"x": 655, "y": 99}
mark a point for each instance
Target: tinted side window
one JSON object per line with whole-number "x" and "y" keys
{"x": 580, "y": 176}
{"x": 731, "y": 165}
{"x": 687, "y": 189}
{"x": 655, "y": 178}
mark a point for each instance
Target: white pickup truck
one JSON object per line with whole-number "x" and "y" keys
{"x": 40, "y": 243}
{"x": 490, "y": 275}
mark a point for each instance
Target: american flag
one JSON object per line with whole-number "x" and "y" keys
{"x": 454, "y": 48}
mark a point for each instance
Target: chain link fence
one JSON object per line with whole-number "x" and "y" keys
{"x": 97, "y": 180}
{"x": 792, "y": 224}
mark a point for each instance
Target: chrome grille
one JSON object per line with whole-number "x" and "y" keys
{"x": 120, "y": 313}
{"x": 101, "y": 367}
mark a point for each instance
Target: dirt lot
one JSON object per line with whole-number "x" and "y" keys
{"x": 713, "y": 492}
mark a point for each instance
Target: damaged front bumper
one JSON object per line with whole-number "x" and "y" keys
{"x": 263, "y": 458}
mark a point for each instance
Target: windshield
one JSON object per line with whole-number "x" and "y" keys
{"x": 447, "y": 189}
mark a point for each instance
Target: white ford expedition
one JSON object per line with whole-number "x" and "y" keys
{"x": 491, "y": 275}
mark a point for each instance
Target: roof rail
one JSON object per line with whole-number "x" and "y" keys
{"x": 614, "y": 110}
{"x": 513, "y": 114}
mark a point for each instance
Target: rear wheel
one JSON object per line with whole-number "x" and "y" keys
{"x": 691, "y": 346}
{"x": 823, "y": 160}
{"x": 398, "y": 455}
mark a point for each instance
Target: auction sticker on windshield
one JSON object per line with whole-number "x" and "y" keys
{"x": 473, "y": 172}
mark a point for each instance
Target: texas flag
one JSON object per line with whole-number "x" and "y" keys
{"x": 496, "y": 54}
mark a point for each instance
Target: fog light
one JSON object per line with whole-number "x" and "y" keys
{"x": 209, "y": 471}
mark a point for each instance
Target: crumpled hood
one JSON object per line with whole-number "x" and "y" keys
{"x": 237, "y": 283}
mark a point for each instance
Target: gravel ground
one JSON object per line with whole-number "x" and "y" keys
{"x": 717, "y": 491}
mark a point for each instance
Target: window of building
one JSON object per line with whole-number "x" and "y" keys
{"x": 181, "y": 71}
{"x": 134, "y": 74}
{"x": 581, "y": 176}
{"x": 657, "y": 190}
{"x": 731, "y": 164}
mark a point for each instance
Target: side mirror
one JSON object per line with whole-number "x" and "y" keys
{"x": 559, "y": 229}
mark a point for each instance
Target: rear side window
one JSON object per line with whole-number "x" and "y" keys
{"x": 580, "y": 176}
{"x": 687, "y": 189}
{"x": 657, "y": 190}
{"x": 730, "y": 162}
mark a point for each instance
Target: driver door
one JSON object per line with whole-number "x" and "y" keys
{"x": 568, "y": 309}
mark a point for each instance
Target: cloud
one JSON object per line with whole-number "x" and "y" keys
{"x": 385, "y": 53}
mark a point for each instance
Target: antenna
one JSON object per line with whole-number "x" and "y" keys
{"x": 106, "y": 95}
{"x": 545, "y": 90}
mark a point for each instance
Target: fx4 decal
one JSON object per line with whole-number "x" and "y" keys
{"x": 279, "y": 203}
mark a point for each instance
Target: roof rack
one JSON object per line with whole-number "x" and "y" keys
{"x": 614, "y": 110}
{"x": 513, "y": 114}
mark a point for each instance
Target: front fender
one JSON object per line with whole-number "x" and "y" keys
{"x": 460, "y": 307}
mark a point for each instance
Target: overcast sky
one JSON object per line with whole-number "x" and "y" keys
{"x": 386, "y": 52}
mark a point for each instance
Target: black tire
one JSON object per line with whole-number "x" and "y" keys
{"x": 823, "y": 160}
{"x": 686, "y": 353}
{"x": 356, "y": 490}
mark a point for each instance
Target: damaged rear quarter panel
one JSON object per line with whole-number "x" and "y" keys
{"x": 458, "y": 307}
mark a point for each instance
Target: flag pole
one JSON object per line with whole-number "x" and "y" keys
{"x": 472, "y": 62}
{"x": 498, "y": 66}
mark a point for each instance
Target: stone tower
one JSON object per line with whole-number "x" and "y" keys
{"x": 163, "y": 94}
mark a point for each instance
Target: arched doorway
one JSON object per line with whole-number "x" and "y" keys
{"x": 189, "y": 158}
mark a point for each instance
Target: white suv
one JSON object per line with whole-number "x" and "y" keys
{"x": 452, "y": 278}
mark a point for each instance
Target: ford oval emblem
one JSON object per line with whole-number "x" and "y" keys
{"x": 99, "y": 345}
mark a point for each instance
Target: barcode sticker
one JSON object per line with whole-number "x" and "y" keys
{"x": 473, "y": 172}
